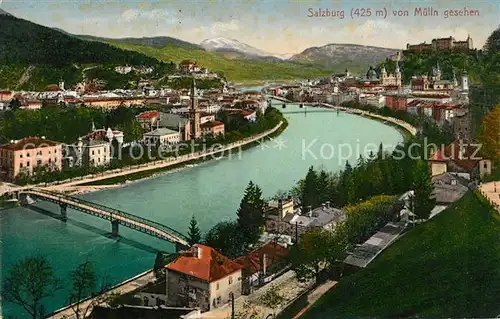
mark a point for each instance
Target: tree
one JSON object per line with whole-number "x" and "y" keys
{"x": 14, "y": 104}
{"x": 423, "y": 188}
{"x": 493, "y": 42}
{"x": 194, "y": 234}
{"x": 28, "y": 283}
{"x": 489, "y": 136}
{"x": 159, "y": 263}
{"x": 323, "y": 184}
{"x": 251, "y": 214}
{"x": 312, "y": 254}
{"x": 227, "y": 238}
{"x": 84, "y": 284}
{"x": 309, "y": 195}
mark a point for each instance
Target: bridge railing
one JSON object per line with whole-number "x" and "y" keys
{"x": 114, "y": 211}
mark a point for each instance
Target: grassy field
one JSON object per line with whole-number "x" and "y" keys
{"x": 233, "y": 69}
{"x": 448, "y": 267}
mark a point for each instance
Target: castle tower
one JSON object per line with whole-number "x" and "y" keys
{"x": 194, "y": 114}
{"x": 469, "y": 42}
{"x": 465, "y": 81}
{"x": 93, "y": 127}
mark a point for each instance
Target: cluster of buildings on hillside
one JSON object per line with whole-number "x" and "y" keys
{"x": 90, "y": 93}
{"x": 445, "y": 101}
{"x": 442, "y": 44}
{"x": 126, "y": 69}
{"x": 193, "y": 116}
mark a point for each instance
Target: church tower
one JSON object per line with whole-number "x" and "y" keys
{"x": 383, "y": 75}
{"x": 465, "y": 81}
{"x": 455, "y": 81}
{"x": 194, "y": 114}
{"x": 397, "y": 73}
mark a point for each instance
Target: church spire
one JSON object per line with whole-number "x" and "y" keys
{"x": 193, "y": 92}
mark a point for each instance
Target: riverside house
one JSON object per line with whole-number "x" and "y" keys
{"x": 28, "y": 154}
{"x": 202, "y": 277}
{"x": 460, "y": 157}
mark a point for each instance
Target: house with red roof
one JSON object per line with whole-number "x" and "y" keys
{"x": 204, "y": 278}
{"x": 187, "y": 66}
{"x": 260, "y": 265}
{"x": 6, "y": 95}
{"x": 460, "y": 157}
{"x": 147, "y": 120}
{"x": 213, "y": 128}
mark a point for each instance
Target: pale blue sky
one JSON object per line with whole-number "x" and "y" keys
{"x": 277, "y": 26}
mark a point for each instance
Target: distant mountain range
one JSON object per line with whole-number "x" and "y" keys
{"x": 23, "y": 44}
{"x": 348, "y": 54}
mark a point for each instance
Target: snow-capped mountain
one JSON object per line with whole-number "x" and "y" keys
{"x": 225, "y": 44}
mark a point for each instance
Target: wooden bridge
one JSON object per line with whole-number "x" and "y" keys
{"x": 116, "y": 217}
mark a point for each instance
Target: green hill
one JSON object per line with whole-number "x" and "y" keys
{"x": 447, "y": 267}
{"x": 155, "y": 42}
{"x": 33, "y": 56}
{"x": 25, "y": 42}
{"x": 232, "y": 69}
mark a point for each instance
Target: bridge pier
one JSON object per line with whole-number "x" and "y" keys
{"x": 64, "y": 216}
{"x": 114, "y": 227}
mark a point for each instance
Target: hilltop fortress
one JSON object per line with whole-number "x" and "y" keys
{"x": 442, "y": 44}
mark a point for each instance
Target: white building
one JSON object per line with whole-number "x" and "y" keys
{"x": 94, "y": 149}
{"x": 162, "y": 136}
{"x": 123, "y": 69}
{"x": 376, "y": 100}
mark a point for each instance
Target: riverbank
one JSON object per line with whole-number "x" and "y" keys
{"x": 153, "y": 169}
{"x": 408, "y": 128}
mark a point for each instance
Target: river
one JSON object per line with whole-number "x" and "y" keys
{"x": 211, "y": 192}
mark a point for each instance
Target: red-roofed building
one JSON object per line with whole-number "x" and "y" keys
{"x": 396, "y": 101}
{"x": 460, "y": 157}
{"x": 148, "y": 119}
{"x": 202, "y": 277}
{"x": 6, "y": 96}
{"x": 260, "y": 264}
{"x": 52, "y": 88}
{"x": 212, "y": 127}
{"x": 187, "y": 66}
